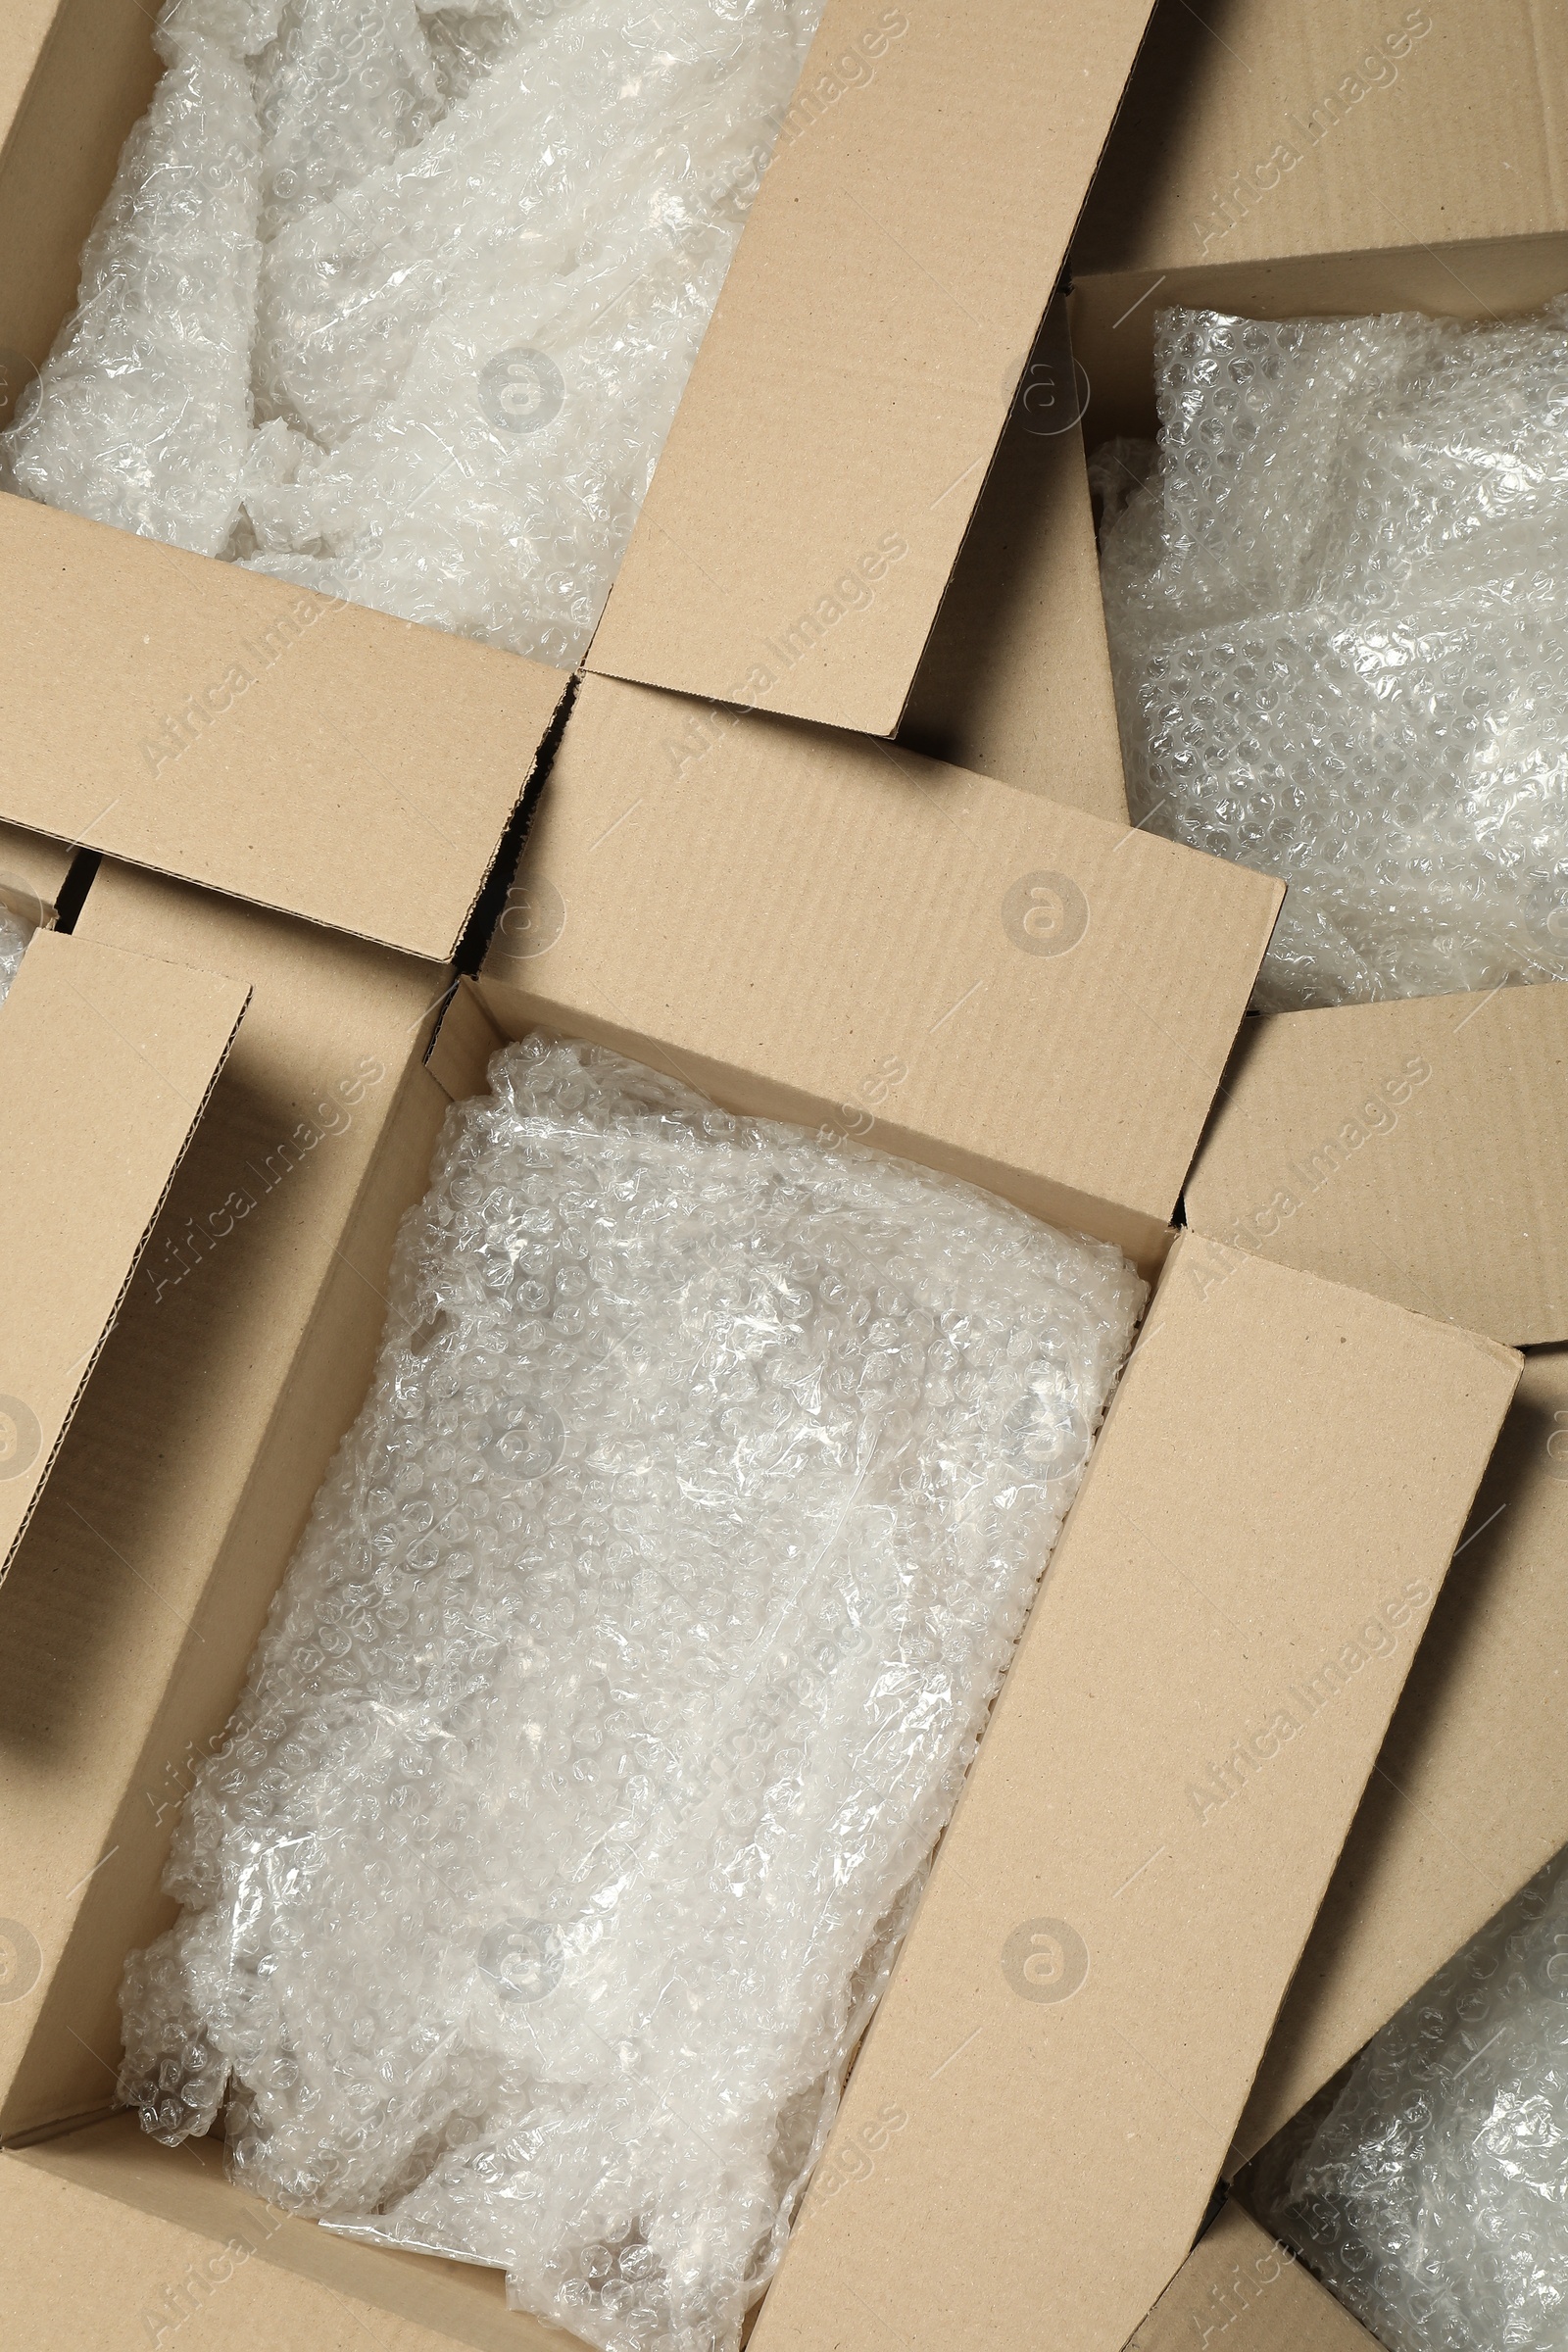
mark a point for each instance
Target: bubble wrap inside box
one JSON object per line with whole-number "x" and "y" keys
{"x": 15, "y": 933}
{"x": 625, "y": 1677}
{"x": 1336, "y": 608}
{"x": 1434, "y": 2195}
{"x": 397, "y": 301}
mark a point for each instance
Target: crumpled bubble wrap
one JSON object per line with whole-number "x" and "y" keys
{"x": 397, "y": 302}
{"x": 626, "y": 1675}
{"x": 15, "y": 933}
{"x": 1336, "y": 602}
{"x": 1434, "y": 2196}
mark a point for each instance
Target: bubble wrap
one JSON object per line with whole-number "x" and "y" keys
{"x": 625, "y": 1677}
{"x": 1434, "y": 2196}
{"x": 397, "y": 302}
{"x": 15, "y": 933}
{"x": 1336, "y": 607}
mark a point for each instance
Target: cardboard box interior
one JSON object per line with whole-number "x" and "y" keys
{"x": 361, "y": 771}
{"x": 107, "y": 1061}
{"x": 1441, "y": 1196}
{"x": 245, "y": 1353}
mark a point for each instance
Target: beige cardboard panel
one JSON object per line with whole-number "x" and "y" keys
{"x": 110, "y": 2241}
{"x": 1240, "y": 2289}
{"x": 1414, "y": 1148}
{"x": 33, "y": 868}
{"x": 856, "y": 379}
{"x": 73, "y": 78}
{"x": 105, "y": 1063}
{"x": 1012, "y": 989}
{"x": 1253, "y": 131}
{"x": 1470, "y": 1794}
{"x": 1034, "y": 2125}
{"x": 1015, "y": 680}
{"x": 240, "y": 1355}
{"x": 235, "y": 730}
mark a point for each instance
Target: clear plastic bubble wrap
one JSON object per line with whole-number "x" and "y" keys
{"x": 625, "y": 1677}
{"x": 1336, "y": 601}
{"x": 15, "y": 933}
{"x": 397, "y": 301}
{"x": 1433, "y": 2196}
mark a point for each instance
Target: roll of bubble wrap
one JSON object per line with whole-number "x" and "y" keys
{"x": 1336, "y": 601}
{"x": 626, "y": 1675}
{"x": 397, "y": 301}
{"x": 1434, "y": 2195}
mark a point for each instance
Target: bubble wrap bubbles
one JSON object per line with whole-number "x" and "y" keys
{"x": 625, "y": 1675}
{"x": 1434, "y": 2196}
{"x": 1336, "y": 607}
{"x": 15, "y": 933}
{"x": 397, "y": 302}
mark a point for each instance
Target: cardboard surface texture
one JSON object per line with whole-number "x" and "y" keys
{"x": 240, "y": 1354}
{"x": 1414, "y": 1148}
{"x": 1118, "y": 1905}
{"x": 1470, "y": 1794}
{"x": 1241, "y": 2290}
{"x": 816, "y": 928}
{"x": 846, "y": 401}
{"x": 238, "y": 731}
{"x": 106, "y": 1064}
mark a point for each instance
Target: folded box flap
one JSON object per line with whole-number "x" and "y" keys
{"x": 1239, "y": 2283}
{"x": 1150, "y": 1822}
{"x": 1416, "y": 1148}
{"x": 106, "y": 1062}
{"x": 290, "y": 749}
{"x": 870, "y": 338}
{"x": 812, "y": 926}
{"x": 1470, "y": 1797}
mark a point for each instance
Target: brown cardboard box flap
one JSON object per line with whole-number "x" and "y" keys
{"x": 233, "y": 730}
{"x": 106, "y": 1062}
{"x": 1035, "y": 2123}
{"x": 1416, "y": 1148}
{"x": 1009, "y": 989}
{"x": 1241, "y": 2289}
{"x": 1254, "y": 133}
{"x": 869, "y": 340}
{"x": 1470, "y": 1794}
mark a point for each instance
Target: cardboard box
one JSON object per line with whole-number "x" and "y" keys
{"x": 877, "y": 331}
{"x": 1205, "y": 1522}
{"x": 107, "y": 1061}
{"x": 1242, "y": 2290}
{"x": 1278, "y": 164}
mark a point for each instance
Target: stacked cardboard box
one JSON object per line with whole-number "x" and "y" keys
{"x": 833, "y": 827}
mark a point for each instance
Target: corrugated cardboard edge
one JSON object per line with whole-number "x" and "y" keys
{"x": 213, "y": 1009}
{"x": 1242, "y": 2290}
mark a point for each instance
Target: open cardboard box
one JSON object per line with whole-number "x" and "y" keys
{"x": 1274, "y": 166}
{"x": 107, "y": 1061}
{"x": 880, "y": 326}
{"x": 1278, "y": 164}
{"x": 1287, "y": 1462}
